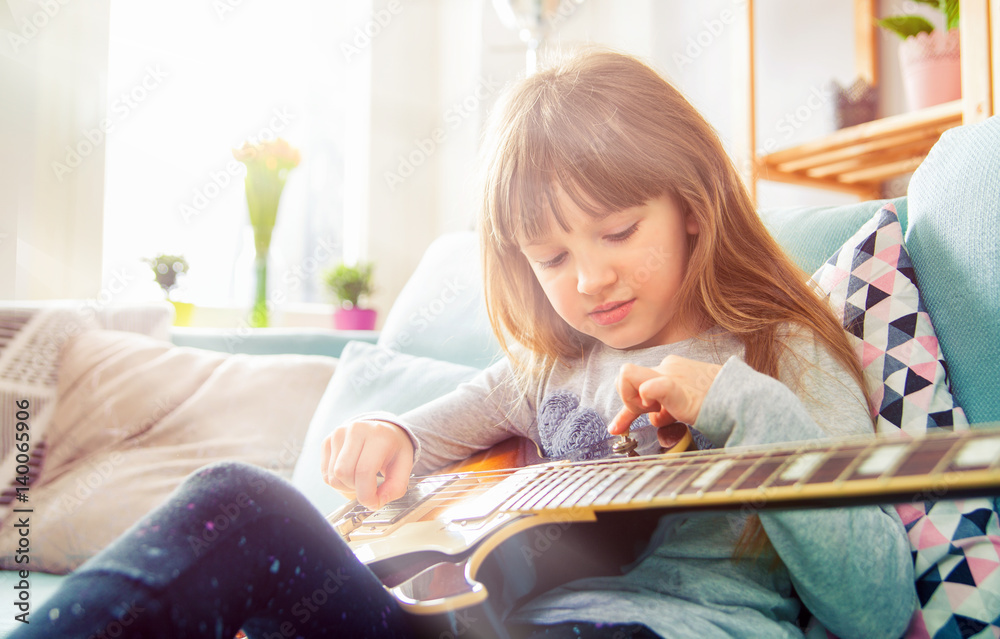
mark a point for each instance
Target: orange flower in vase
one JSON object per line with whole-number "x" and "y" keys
{"x": 268, "y": 164}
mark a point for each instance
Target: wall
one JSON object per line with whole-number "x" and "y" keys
{"x": 52, "y": 68}
{"x": 423, "y": 81}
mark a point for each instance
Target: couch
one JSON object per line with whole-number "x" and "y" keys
{"x": 436, "y": 336}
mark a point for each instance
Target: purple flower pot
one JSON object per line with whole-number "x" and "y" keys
{"x": 354, "y": 319}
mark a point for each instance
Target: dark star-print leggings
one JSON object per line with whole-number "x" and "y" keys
{"x": 237, "y": 547}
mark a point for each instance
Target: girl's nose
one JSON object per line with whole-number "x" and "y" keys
{"x": 594, "y": 275}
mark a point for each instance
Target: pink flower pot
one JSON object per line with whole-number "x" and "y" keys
{"x": 354, "y": 319}
{"x": 931, "y": 68}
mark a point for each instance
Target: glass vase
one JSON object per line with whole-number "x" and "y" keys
{"x": 259, "y": 317}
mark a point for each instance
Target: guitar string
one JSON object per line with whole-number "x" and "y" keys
{"x": 486, "y": 480}
{"x": 450, "y": 493}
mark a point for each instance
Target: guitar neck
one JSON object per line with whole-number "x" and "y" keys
{"x": 870, "y": 470}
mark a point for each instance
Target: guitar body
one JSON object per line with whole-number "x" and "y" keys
{"x": 436, "y": 557}
{"x": 507, "y": 523}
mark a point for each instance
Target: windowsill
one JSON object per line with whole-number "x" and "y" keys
{"x": 287, "y": 316}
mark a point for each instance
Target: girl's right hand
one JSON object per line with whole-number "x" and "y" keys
{"x": 356, "y": 452}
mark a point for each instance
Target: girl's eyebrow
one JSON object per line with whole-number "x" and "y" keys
{"x": 542, "y": 239}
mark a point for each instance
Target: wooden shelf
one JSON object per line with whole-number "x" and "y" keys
{"x": 858, "y": 159}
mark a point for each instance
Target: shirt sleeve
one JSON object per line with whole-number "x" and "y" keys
{"x": 850, "y": 566}
{"x": 476, "y": 415}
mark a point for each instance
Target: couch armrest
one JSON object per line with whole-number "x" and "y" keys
{"x": 270, "y": 341}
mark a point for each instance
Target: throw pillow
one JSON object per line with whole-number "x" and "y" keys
{"x": 956, "y": 554}
{"x": 31, "y": 337}
{"x": 870, "y": 283}
{"x": 134, "y": 416}
{"x": 369, "y": 377}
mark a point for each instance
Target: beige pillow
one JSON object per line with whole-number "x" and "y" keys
{"x": 134, "y": 416}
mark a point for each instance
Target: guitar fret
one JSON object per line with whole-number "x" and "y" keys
{"x": 675, "y": 484}
{"x": 537, "y": 488}
{"x": 880, "y": 461}
{"x": 594, "y": 493}
{"x": 626, "y": 495}
{"x": 982, "y": 454}
{"x": 706, "y": 478}
{"x": 768, "y": 470}
{"x": 590, "y": 479}
{"x": 652, "y": 489}
{"x": 611, "y": 491}
{"x": 832, "y": 468}
{"x": 799, "y": 469}
{"x": 735, "y": 474}
{"x": 567, "y": 488}
{"x": 552, "y": 489}
{"x": 924, "y": 458}
{"x": 859, "y": 457}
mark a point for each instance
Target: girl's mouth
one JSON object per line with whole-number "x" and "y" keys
{"x": 611, "y": 313}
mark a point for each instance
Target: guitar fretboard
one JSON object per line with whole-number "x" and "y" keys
{"x": 871, "y": 470}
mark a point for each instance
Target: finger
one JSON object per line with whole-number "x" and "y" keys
{"x": 397, "y": 478}
{"x": 343, "y": 465}
{"x": 674, "y": 402}
{"x": 622, "y": 421}
{"x": 662, "y": 417}
{"x": 630, "y": 378}
{"x": 366, "y": 474}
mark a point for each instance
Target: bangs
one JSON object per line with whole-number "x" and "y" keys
{"x": 585, "y": 150}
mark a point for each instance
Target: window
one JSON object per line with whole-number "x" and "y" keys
{"x": 190, "y": 80}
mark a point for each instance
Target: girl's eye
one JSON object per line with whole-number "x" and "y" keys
{"x": 555, "y": 261}
{"x": 623, "y": 235}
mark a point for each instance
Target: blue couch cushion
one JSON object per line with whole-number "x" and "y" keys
{"x": 954, "y": 241}
{"x": 440, "y": 311}
{"x": 811, "y": 235}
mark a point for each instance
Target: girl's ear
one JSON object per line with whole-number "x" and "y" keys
{"x": 691, "y": 225}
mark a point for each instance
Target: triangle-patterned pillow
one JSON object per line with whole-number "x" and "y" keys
{"x": 871, "y": 285}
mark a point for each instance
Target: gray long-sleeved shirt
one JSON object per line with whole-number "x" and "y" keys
{"x": 850, "y": 566}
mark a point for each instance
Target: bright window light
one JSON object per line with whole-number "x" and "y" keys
{"x": 188, "y": 81}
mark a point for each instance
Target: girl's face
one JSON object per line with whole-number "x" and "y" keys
{"x": 616, "y": 279}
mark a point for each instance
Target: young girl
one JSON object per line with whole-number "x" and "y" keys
{"x": 628, "y": 278}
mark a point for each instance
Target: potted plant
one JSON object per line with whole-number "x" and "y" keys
{"x": 929, "y": 58}
{"x": 349, "y": 284}
{"x": 166, "y": 270}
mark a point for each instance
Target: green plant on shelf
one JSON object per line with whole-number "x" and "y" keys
{"x": 349, "y": 284}
{"x": 166, "y": 270}
{"x": 907, "y": 26}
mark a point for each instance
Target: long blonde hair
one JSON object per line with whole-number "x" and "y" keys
{"x": 611, "y": 133}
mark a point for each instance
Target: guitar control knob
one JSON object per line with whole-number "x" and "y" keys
{"x": 625, "y": 446}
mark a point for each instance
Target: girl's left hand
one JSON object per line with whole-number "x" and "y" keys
{"x": 670, "y": 392}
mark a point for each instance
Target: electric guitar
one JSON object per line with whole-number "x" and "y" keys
{"x": 430, "y": 547}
